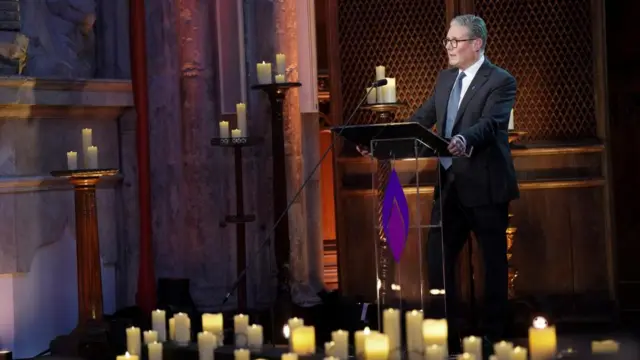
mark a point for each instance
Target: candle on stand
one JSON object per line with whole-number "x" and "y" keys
{"x": 240, "y": 326}
{"x": 264, "y": 73}
{"x": 281, "y": 64}
{"x": 389, "y": 92}
{"x": 159, "y": 324}
{"x": 87, "y": 140}
{"x": 224, "y": 129}
{"x": 435, "y": 331}
{"x": 254, "y": 337}
{"x": 207, "y": 344}
{"x": 236, "y": 133}
{"x": 503, "y": 350}
{"x": 127, "y": 356}
{"x": 519, "y": 353}
{"x": 511, "y": 121}
{"x": 155, "y": 351}
{"x": 303, "y": 340}
{"x": 241, "y": 117}
{"x": 172, "y": 329}
{"x": 214, "y": 323}
{"x": 542, "y": 340}
{"x": 328, "y": 348}
{"x": 289, "y": 356}
{"x": 340, "y": 340}
{"x": 473, "y": 346}
{"x": 376, "y": 347}
{"x": 434, "y": 352}
{"x": 293, "y": 324}
{"x": 371, "y": 95}
{"x": 150, "y": 336}
{"x": 413, "y": 331}
{"x": 133, "y": 340}
{"x": 605, "y": 347}
{"x": 380, "y": 74}
{"x": 183, "y": 329}
{"x": 92, "y": 157}
{"x": 391, "y": 328}
{"x": 280, "y": 79}
{"x": 72, "y": 160}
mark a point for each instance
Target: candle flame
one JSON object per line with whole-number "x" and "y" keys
{"x": 286, "y": 331}
{"x": 540, "y": 322}
{"x": 367, "y": 331}
{"x": 127, "y": 354}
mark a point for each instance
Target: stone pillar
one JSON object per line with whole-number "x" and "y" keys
{"x": 112, "y": 39}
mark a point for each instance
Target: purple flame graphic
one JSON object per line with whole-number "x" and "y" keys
{"x": 395, "y": 216}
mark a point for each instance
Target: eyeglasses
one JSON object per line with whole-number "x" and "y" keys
{"x": 454, "y": 42}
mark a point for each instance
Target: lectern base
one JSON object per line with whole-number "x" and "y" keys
{"x": 89, "y": 341}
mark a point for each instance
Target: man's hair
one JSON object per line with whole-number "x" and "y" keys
{"x": 476, "y": 26}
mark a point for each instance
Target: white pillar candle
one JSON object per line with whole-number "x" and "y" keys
{"x": 240, "y": 326}
{"x": 413, "y": 330}
{"x": 133, "y": 340}
{"x": 376, "y": 347}
{"x": 303, "y": 340}
{"x": 127, "y": 356}
{"x": 380, "y": 74}
{"x": 155, "y": 351}
{"x": 159, "y": 324}
{"x": 391, "y": 328}
{"x": 503, "y": 350}
{"x": 467, "y": 356}
{"x": 224, "y": 129}
{"x": 330, "y": 358}
{"x": 254, "y": 337}
{"x": 328, "y": 348}
{"x": 241, "y": 117}
{"x": 519, "y": 353}
{"x": 92, "y": 156}
{"x": 72, "y": 160}
{"x": 150, "y": 336}
{"x": 435, "y": 332}
{"x": 340, "y": 340}
{"x": 359, "y": 338}
{"x": 389, "y": 92}
{"x": 172, "y": 329}
{"x": 511, "y": 121}
{"x": 293, "y": 324}
{"x": 87, "y": 140}
{"x": 183, "y": 328}
{"x": 281, "y": 64}
{"x": 236, "y": 133}
{"x": 214, "y": 323}
{"x": 207, "y": 344}
{"x": 241, "y": 354}
{"x": 280, "y": 79}
{"x": 473, "y": 346}
{"x": 264, "y": 73}
{"x": 289, "y": 356}
{"x": 542, "y": 341}
{"x": 605, "y": 347}
{"x": 435, "y": 352}
{"x": 371, "y": 95}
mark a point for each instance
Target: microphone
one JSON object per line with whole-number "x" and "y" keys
{"x": 264, "y": 244}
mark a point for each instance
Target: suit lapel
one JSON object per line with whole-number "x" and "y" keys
{"x": 481, "y": 77}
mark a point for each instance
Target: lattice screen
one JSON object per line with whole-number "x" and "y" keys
{"x": 404, "y": 36}
{"x": 547, "y": 46}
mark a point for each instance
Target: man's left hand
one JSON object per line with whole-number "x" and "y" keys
{"x": 457, "y": 146}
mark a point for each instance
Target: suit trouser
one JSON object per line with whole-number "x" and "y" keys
{"x": 489, "y": 224}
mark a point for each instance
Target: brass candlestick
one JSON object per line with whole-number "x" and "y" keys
{"x": 513, "y": 272}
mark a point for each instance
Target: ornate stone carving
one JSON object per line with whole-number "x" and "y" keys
{"x": 62, "y": 41}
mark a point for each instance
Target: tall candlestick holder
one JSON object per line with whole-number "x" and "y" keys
{"x": 276, "y": 93}
{"x": 384, "y": 111}
{"x": 89, "y": 339}
{"x": 240, "y": 219}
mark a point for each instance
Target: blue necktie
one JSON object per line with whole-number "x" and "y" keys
{"x": 452, "y": 111}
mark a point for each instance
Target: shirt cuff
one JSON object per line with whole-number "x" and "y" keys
{"x": 464, "y": 141}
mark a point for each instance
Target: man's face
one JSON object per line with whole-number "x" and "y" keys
{"x": 466, "y": 52}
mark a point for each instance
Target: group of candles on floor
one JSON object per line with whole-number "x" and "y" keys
{"x": 425, "y": 339}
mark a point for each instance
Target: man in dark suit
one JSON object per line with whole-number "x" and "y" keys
{"x": 470, "y": 105}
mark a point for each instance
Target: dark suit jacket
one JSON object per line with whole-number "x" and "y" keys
{"x": 488, "y": 175}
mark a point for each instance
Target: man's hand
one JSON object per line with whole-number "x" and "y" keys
{"x": 457, "y": 146}
{"x": 363, "y": 150}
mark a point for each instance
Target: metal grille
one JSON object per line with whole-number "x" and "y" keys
{"x": 547, "y": 46}
{"x": 402, "y": 35}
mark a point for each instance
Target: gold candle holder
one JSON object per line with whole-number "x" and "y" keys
{"x": 513, "y": 272}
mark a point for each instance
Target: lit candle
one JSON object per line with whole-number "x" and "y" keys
{"x": 389, "y": 92}
{"x": 511, "y": 121}
{"x": 264, "y": 73}
{"x": 92, "y": 157}
{"x": 281, "y": 64}
{"x": 206, "y": 345}
{"x": 303, "y": 340}
{"x": 280, "y": 79}
{"x": 236, "y": 133}
{"x": 376, "y": 347}
{"x": 254, "y": 337}
{"x": 87, "y": 141}
{"x": 293, "y": 324}
{"x": 605, "y": 347}
{"x": 159, "y": 324}
{"x": 150, "y": 336}
{"x": 289, "y": 356}
{"x": 329, "y": 347}
{"x": 127, "y": 356}
{"x": 391, "y": 327}
{"x": 542, "y": 340}
{"x": 371, "y": 95}
{"x": 240, "y": 326}
{"x": 241, "y": 354}
{"x": 224, "y": 129}
{"x": 435, "y": 352}
{"x": 435, "y": 332}
{"x": 214, "y": 323}
{"x": 466, "y": 356}
{"x": 172, "y": 329}
{"x": 340, "y": 340}
{"x": 473, "y": 346}
{"x": 155, "y": 351}
{"x": 241, "y": 117}
{"x": 359, "y": 337}
{"x": 503, "y": 350}
{"x": 519, "y": 353}
{"x": 413, "y": 330}
{"x": 133, "y": 340}
{"x": 183, "y": 328}
{"x": 72, "y": 160}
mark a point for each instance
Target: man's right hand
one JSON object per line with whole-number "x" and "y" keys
{"x": 363, "y": 150}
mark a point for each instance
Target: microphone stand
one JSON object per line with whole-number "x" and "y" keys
{"x": 267, "y": 240}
